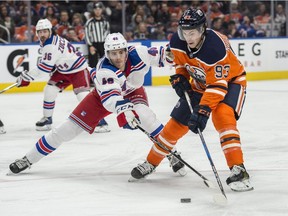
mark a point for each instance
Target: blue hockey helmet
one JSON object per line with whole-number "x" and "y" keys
{"x": 192, "y": 18}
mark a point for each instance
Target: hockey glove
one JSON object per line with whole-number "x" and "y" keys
{"x": 199, "y": 118}
{"x": 24, "y": 79}
{"x": 180, "y": 84}
{"x": 126, "y": 116}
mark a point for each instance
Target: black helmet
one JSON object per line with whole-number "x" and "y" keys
{"x": 192, "y": 18}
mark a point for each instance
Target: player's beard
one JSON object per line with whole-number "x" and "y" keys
{"x": 43, "y": 39}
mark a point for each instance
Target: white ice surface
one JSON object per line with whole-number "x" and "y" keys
{"x": 89, "y": 175}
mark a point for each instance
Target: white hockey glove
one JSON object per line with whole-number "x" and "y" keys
{"x": 24, "y": 79}
{"x": 126, "y": 116}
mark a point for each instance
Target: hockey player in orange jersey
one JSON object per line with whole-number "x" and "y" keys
{"x": 209, "y": 71}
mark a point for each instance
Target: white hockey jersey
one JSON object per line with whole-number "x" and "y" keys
{"x": 112, "y": 83}
{"x": 59, "y": 54}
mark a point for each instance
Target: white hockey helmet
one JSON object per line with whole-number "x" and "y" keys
{"x": 114, "y": 41}
{"x": 43, "y": 24}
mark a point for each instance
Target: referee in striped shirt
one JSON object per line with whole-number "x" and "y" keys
{"x": 96, "y": 30}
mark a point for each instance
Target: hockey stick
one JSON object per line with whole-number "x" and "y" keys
{"x": 223, "y": 199}
{"x": 9, "y": 87}
{"x": 206, "y": 181}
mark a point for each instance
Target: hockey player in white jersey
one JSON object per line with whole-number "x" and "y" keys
{"x": 118, "y": 78}
{"x": 65, "y": 65}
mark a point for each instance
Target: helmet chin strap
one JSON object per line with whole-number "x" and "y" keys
{"x": 200, "y": 42}
{"x": 193, "y": 50}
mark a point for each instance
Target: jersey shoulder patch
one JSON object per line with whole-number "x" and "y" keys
{"x": 213, "y": 48}
{"x": 105, "y": 64}
{"x": 177, "y": 43}
{"x": 134, "y": 57}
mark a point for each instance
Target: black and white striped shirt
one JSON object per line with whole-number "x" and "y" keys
{"x": 96, "y": 30}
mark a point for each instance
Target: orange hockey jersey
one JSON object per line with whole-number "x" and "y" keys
{"x": 212, "y": 67}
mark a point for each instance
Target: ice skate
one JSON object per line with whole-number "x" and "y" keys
{"x": 239, "y": 179}
{"x": 141, "y": 171}
{"x": 2, "y": 130}
{"x": 19, "y": 165}
{"x": 45, "y": 124}
{"x": 102, "y": 127}
{"x": 176, "y": 164}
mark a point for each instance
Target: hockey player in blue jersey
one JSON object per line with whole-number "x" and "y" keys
{"x": 118, "y": 79}
{"x": 65, "y": 65}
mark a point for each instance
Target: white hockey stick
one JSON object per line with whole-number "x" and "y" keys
{"x": 7, "y": 88}
{"x": 217, "y": 198}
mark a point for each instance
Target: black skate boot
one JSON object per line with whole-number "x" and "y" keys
{"x": 141, "y": 171}
{"x": 19, "y": 165}
{"x": 176, "y": 164}
{"x": 239, "y": 179}
{"x": 44, "y": 124}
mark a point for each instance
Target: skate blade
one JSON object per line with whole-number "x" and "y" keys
{"x": 182, "y": 172}
{"x": 132, "y": 179}
{"x": 44, "y": 128}
{"x": 7, "y": 172}
{"x": 242, "y": 186}
{"x": 102, "y": 130}
{"x": 2, "y": 131}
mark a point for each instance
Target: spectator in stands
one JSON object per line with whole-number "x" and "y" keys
{"x": 129, "y": 36}
{"x": 8, "y": 22}
{"x": 49, "y": 13}
{"x": 175, "y": 7}
{"x": 172, "y": 28}
{"x": 173, "y": 18}
{"x": 153, "y": 10}
{"x": 217, "y": 24}
{"x": 63, "y": 25}
{"x": 215, "y": 11}
{"x": 141, "y": 32}
{"x": 115, "y": 15}
{"x": 135, "y": 19}
{"x": 42, "y": 6}
{"x": 150, "y": 24}
{"x": 71, "y": 35}
{"x": 231, "y": 31}
{"x": 163, "y": 14}
{"x": 159, "y": 32}
{"x": 234, "y": 14}
{"x": 263, "y": 16}
{"x": 280, "y": 18}
{"x": 134, "y": 24}
{"x": 78, "y": 24}
{"x": 247, "y": 28}
{"x": 194, "y": 4}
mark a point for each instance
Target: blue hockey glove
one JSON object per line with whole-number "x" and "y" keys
{"x": 180, "y": 84}
{"x": 126, "y": 115}
{"x": 199, "y": 118}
